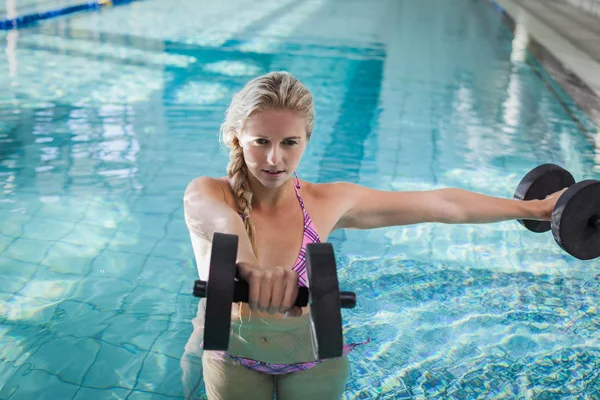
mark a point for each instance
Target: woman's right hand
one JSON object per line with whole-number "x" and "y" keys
{"x": 271, "y": 289}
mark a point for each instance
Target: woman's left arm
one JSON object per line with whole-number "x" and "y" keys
{"x": 366, "y": 208}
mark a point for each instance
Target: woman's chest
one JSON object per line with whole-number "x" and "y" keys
{"x": 279, "y": 238}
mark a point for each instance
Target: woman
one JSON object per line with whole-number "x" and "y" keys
{"x": 275, "y": 215}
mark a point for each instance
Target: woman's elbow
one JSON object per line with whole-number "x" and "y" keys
{"x": 449, "y": 208}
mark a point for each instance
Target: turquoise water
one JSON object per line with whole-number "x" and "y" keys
{"x": 105, "y": 117}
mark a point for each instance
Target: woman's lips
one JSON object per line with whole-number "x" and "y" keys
{"x": 273, "y": 173}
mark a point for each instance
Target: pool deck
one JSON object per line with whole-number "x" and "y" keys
{"x": 566, "y": 41}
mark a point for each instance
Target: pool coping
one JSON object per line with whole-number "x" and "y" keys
{"x": 583, "y": 95}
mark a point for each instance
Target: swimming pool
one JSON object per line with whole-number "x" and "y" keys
{"x": 105, "y": 117}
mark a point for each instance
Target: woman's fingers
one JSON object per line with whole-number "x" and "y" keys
{"x": 291, "y": 291}
{"x": 272, "y": 289}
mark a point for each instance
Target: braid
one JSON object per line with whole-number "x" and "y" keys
{"x": 238, "y": 176}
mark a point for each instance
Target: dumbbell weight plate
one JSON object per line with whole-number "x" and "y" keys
{"x": 539, "y": 183}
{"x": 324, "y": 299}
{"x": 325, "y": 303}
{"x": 573, "y": 220}
{"x": 219, "y": 291}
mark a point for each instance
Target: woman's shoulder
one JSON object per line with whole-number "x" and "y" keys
{"x": 325, "y": 192}
{"x": 206, "y": 185}
{"x": 327, "y": 203}
{"x": 203, "y": 183}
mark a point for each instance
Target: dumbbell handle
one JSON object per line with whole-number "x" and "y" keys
{"x": 242, "y": 290}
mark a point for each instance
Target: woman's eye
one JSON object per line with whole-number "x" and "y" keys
{"x": 261, "y": 141}
{"x": 290, "y": 142}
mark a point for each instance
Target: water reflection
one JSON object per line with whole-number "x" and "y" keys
{"x": 104, "y": 119}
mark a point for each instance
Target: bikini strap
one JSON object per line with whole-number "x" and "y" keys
{"x": 297, "y": 187}
{"x": 297, "y": 182}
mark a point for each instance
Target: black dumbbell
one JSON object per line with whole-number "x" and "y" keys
{"x": 575, "y": 220}
{"x": 324, "y": 298}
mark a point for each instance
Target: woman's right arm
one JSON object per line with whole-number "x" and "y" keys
{"x": 206, "y": 212}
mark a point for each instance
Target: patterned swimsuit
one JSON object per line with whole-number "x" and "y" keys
{"x": 310, "y": 236}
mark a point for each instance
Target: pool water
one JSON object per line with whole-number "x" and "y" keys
{"x": 106, "y": 116}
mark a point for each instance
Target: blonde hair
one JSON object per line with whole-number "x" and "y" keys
{"x": 275, "y": 90}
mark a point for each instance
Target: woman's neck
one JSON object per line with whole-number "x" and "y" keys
{"x": 264, "y": 198}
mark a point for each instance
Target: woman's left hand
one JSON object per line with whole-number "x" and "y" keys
{"x": 547, "y": 205}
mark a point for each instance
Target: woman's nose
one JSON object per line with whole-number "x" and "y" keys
{"x": 274, "y": 156}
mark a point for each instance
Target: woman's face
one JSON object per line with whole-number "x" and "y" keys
{"x": 273, "y": 142}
